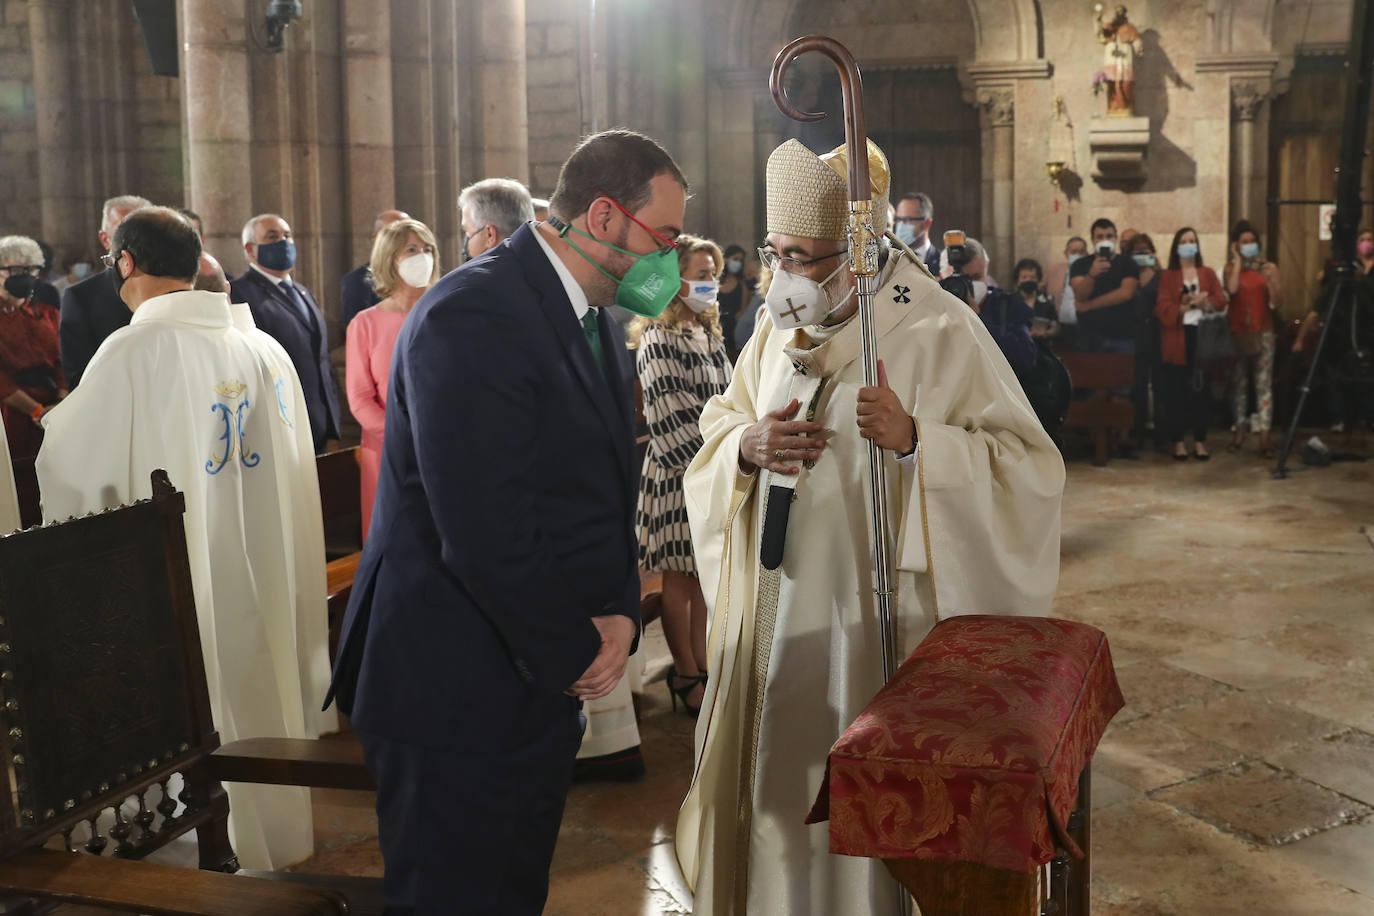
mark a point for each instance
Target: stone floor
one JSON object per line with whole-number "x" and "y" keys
{"x": 1239, "y": 779}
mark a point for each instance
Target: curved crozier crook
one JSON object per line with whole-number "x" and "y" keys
{"x": 851, "y": 88}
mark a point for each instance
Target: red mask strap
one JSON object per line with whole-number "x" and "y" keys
{"x": 670, "y": 243}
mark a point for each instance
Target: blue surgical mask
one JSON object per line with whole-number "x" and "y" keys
{"x": 734, "y": 266}
{"x": 1145, "y": 260}
{"x": 1249, "y": 250}
{"x": 907, "y": 233}
{"x": 1187, "y": 251}
{"x": 280, "y": 255}
{"x": 81, "y": 271}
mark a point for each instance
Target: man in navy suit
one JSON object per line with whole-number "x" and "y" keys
{"x": 287, "y": 310}
{"x": 91, "y": 310}
{"x": 355, "y": 289}
{"x": 915, "y": 215}
{"x": 499, "y": 586}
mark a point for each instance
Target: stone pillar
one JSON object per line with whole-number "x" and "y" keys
{"x": 731, "y": 159}
{"x": 367, "y": 99}
{"x": 501, "y": 112}
{"x": 65, "y": 223}
{"x": 216, "y": 149}
{"x": 998, "y": 106}
{"x": 1246, "y": 101}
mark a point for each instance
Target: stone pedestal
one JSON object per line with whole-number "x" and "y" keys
{"x": 1118, "y": 148}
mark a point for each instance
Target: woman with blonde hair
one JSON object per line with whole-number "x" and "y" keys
{"x": 404, "y": 265}
{"x": 681, "y": 363}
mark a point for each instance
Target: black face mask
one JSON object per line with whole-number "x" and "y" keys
{"x": 20, "y": 286}
{"x": 114, "y": 273}
{"x": 466, "y": 239}
{"x": 1028, "y": 286}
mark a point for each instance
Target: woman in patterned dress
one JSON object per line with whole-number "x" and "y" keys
{"x": 681, "y": 364}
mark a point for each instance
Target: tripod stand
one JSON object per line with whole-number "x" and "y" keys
{"x": 1341, "y": 300}
{"x": 1341, "y": 308}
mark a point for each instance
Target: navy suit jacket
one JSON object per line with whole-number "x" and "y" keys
{"x": 91, "y": 311}
{"x": 355, "y": 294}
{"x": 307, "y": 346}
{"x": 504, "y": 518}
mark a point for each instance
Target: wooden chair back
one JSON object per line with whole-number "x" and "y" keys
{"x": 340, "y": 502}
{"x": 103, "y": 696}
{"x": 1105, "y": 414}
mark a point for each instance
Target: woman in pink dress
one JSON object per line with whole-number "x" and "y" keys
{"x": 403, "y": 266}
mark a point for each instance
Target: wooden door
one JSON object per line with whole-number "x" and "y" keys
{"x": 920, "y": 120}
{"x": 1305, "y": 140}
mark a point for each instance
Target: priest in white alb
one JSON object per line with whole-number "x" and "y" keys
{"x": 182, "y": 389}
{"x": 779, "y": 510}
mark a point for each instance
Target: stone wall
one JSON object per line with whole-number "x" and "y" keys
{"x": 19, "y": 208}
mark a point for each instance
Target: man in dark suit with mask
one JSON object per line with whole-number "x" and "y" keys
{"x": 91, "y": 309}
{"x": 500, "y": 584}
{"x": 287, "y": 310}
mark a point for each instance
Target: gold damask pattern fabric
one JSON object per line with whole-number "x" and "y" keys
{"x": 974, "y": 748}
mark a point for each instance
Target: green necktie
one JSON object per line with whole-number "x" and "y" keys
{"x": 593, "y": 335}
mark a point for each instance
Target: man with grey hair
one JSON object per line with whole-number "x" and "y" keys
{"x": 287, "y": 310}
{"x": 492, "y": 210}
{"x": 91, "y": 309}
{"x": 355, "y": 289}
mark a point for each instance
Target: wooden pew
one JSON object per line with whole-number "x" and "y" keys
{"x": 106, "y": 702}
{"x": 340, "y": 502}
{"x": 1103, "y": 413}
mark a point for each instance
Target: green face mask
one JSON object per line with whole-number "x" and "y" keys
{"x": 648, "y": 286}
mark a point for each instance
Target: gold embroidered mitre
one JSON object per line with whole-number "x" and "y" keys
{"x": 808, "y": 195}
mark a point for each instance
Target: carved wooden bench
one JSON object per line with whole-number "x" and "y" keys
{"x": 105, "y": 705}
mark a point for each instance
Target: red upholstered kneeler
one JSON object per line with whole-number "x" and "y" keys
{"x": 964, "y": 771}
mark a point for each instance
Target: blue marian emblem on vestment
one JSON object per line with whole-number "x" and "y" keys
{"x": 279, "y": 385}
{"x": 232, "y": 408}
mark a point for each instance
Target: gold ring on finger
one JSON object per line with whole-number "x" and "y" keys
{"x": 779, "y": 453}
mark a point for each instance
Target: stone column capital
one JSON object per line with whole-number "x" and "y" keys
{"x": 1000, "y": 105}
{"x": 1246, "y": 99}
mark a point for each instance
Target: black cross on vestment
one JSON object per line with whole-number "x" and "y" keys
{"x": 901, "y": 293}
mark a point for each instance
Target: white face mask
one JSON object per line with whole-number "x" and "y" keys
{"x": 416, "y": 270}
{"x": 980, "y": 291}
{"x": 1073, "y": 258}
{"x": 1106, "y": 248}
{"x": 700, "y": 295}
{"x": 795, "y": 301}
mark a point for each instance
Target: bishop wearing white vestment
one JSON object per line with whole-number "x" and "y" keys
{"x": 182, "y": 389}
{"x": 974, "y": 488}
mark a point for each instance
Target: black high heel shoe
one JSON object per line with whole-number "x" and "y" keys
{"x": 682, "y": 692}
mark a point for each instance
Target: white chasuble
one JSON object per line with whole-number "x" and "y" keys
{"x": 182, "y": 389}
{"x": 795, "y": 653}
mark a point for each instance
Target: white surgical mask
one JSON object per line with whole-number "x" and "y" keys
{"x": 980, "y": 291}
{"x": 1073, "y": 258}
{"x": 795, "y": 301}
{"x": 700, "y": 295}
{"x": 416, "y": 270}
{"x": 1106, "y": 248}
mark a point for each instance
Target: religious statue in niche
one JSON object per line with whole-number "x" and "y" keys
{"x": 1121, "y": 43}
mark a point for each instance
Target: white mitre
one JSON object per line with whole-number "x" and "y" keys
{"x": 808, "y": 195}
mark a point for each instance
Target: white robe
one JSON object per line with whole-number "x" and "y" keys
{"x": 9, "y": 496}
{"x": 182, "y": 389}
{"x": 975, "y": 524}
